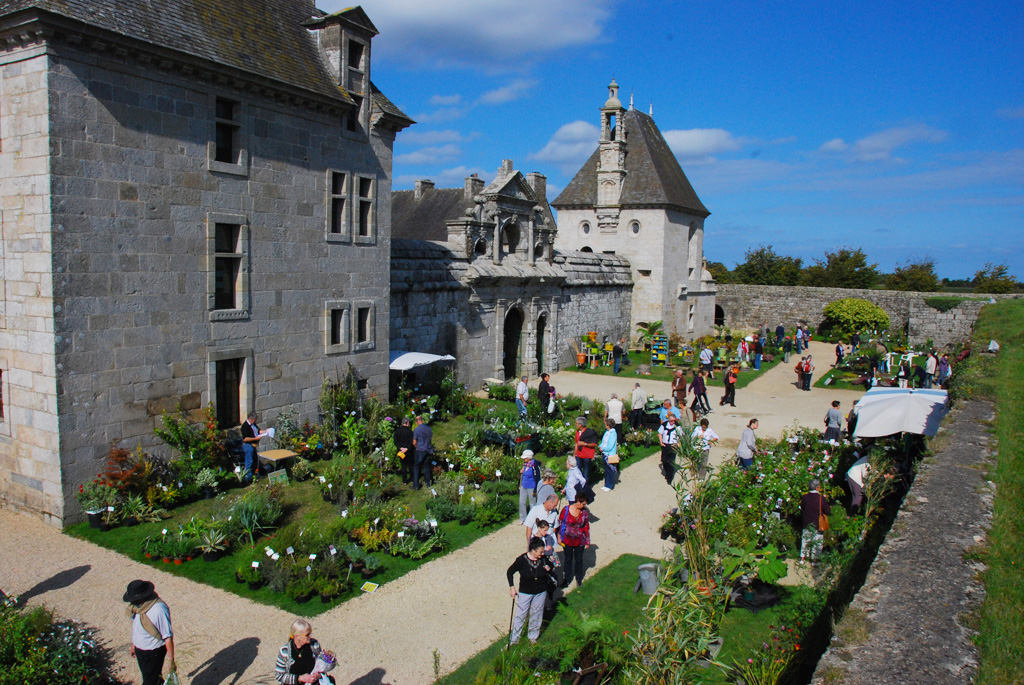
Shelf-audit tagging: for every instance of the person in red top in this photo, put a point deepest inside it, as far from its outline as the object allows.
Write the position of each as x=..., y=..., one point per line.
x=574, y=532
x=586, y=443
x=812, y=505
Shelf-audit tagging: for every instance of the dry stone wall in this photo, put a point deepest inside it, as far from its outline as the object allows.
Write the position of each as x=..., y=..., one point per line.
x=748, y=306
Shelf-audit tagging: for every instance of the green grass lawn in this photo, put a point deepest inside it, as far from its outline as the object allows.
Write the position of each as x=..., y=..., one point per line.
x=667, y=373
x=1001, y=638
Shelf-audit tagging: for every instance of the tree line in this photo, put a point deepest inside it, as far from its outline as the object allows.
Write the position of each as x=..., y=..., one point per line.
x=849, y=268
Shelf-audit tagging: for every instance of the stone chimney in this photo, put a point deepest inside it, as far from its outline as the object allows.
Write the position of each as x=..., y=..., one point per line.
x=474, y=186
x=422, y=187
x=506, y=167
x=539, y=183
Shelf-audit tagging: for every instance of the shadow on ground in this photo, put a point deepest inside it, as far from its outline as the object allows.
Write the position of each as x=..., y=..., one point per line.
x=227, y=665
x=57, y=581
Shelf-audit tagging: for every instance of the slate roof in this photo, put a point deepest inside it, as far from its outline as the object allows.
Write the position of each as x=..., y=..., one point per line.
x=653, y=174
x=261, y=37
x=424, y=219
x=387, y=107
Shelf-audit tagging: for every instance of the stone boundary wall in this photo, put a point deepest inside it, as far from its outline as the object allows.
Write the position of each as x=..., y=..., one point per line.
x=748, y=306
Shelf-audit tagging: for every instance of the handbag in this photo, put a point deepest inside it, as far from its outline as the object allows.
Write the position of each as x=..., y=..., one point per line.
x=551, y=405
x=612, y=458
x=822, y=519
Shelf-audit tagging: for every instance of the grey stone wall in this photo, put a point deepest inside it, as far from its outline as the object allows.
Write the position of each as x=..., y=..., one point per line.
x=134, y=197
x=443, y=304
x=942, y=328
x=747, y=306
x=30, y=478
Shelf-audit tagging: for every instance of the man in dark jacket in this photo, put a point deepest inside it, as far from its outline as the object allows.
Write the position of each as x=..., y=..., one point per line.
x=812, y=505
x=403, y=442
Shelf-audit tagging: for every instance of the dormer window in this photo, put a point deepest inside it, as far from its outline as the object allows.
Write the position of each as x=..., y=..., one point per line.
x=355, y=55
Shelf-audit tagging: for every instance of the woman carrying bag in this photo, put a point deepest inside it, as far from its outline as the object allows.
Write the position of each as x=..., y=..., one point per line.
x=574, y=531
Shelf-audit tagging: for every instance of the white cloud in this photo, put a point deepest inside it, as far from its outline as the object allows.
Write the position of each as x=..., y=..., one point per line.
x=445, y=100
x=834, y=146
x=1010, y=113
x=512, y=91
x=570, y=146
x=430, y=155
x=447, y=178
x=441, y=114
x=416, y=137
x=701, y=143
x=485, y=34
x=878, y=147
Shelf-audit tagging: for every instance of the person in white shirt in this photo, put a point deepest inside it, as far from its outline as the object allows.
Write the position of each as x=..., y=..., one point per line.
x=855, y=479
x=522, y=395
x=637, y=405
x=613, y=412
x=707, y=357
x=668, y=438
x=929, y=369
x=706, y=436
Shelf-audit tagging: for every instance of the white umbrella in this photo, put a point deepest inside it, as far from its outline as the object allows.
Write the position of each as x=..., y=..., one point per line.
x=878, y=394
x=903, y=411
x=404, y=361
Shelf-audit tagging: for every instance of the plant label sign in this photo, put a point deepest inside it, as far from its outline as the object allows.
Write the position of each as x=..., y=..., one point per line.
x=290, y=550
x=279, y=476
x=369, y=587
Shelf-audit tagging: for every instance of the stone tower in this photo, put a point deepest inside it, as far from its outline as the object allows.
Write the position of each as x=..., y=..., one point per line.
x=632, y=199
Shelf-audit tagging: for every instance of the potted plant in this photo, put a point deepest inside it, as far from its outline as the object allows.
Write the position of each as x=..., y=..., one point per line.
x=329, y=588
x=372, y=565
x=181, y=550
x=251, y=575
x=212, y=544
x=301, y=589
x=133, y=509
x=356, y=556
x=95, y=497
x=151, y=547
x=206, y=481
x=301, y=470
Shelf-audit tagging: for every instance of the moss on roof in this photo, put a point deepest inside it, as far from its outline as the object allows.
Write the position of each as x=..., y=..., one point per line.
x=265, y=38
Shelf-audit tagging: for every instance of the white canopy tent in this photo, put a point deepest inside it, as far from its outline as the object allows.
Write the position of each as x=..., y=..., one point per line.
x=886, y=411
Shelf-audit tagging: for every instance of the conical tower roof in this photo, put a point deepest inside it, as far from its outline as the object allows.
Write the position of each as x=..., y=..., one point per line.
x=653, y=175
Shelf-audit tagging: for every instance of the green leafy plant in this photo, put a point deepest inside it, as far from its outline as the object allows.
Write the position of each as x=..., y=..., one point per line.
x=97, y=495
x=850, y=315
x=213, y=540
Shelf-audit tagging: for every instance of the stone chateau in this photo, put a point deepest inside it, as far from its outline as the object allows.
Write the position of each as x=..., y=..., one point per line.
x=197, y=208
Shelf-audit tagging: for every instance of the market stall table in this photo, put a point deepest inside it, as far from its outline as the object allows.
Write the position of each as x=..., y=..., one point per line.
x=276, y=457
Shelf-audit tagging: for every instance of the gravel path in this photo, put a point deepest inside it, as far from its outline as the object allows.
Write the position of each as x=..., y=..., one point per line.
x=458, y=604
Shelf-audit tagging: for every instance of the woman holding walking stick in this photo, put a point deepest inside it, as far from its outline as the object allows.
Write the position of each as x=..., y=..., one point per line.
x=533, y=585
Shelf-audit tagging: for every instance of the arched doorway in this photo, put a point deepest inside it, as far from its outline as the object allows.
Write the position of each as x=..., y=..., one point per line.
x=541, y=324
x=513, y=343
x=719, y=315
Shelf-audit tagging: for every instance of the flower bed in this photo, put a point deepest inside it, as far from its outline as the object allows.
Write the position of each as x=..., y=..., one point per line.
x=344, y=517
x=36, y=647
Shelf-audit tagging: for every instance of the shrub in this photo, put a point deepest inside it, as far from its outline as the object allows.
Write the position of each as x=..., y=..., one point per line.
x=35, y=648
x=504, y=392
x=845, y=317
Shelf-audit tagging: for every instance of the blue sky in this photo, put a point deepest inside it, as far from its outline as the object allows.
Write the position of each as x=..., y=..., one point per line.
x=894, y=127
